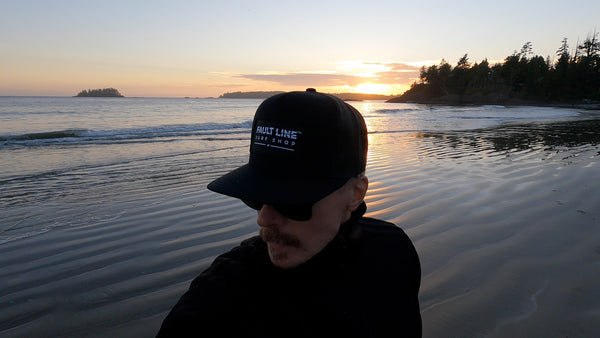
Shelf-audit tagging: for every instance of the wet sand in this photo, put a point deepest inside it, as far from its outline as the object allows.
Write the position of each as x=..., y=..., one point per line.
x=506, y=221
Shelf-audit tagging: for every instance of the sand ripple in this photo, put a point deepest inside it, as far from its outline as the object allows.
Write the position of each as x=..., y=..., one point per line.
x=101, y=275
x=506, y=222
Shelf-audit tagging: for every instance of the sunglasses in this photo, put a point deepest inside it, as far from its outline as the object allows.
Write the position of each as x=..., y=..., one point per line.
x=296, y=212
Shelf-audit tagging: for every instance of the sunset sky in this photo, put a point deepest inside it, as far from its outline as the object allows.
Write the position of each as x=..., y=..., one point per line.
x=205, y=48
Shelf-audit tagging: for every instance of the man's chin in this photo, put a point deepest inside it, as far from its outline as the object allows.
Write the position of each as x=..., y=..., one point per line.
x=280, y=255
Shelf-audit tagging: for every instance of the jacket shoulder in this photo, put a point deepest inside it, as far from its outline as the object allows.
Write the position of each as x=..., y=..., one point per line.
x=390, y=277
x=377, y=228
x=387, y=250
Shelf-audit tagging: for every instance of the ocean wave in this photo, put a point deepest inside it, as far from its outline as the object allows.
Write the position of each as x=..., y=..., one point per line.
x=396, y=110
x=44, y=135
x=211, y=130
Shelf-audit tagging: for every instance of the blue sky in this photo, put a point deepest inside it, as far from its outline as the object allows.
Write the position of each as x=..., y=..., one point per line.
x=206, y=48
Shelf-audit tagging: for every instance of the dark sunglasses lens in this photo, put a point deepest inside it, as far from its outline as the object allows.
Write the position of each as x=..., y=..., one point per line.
x=299, y=212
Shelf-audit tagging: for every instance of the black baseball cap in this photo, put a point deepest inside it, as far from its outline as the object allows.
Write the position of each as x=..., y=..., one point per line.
x=304, y=146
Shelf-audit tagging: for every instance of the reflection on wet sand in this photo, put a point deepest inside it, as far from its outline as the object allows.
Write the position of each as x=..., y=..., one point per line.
x=506, y=224
x=552, y=137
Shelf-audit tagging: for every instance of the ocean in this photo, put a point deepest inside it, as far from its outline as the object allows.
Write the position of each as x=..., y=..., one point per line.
x=105, y=217
x=83, y=152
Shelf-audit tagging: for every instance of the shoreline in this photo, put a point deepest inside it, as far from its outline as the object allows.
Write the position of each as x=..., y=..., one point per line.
x=494, y=100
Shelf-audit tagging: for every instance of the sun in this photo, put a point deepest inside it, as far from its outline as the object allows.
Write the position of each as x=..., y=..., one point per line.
x=373, y=88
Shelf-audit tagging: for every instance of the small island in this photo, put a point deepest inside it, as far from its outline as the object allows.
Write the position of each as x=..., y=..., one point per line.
x=106, y=92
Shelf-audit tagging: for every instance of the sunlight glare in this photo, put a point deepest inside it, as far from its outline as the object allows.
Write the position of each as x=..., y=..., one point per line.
x=372, y=88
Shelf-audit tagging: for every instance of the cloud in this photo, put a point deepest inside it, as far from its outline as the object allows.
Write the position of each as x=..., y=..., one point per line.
x=394, y=66
x=346, y=74
x=395, y=77
x=307, y=79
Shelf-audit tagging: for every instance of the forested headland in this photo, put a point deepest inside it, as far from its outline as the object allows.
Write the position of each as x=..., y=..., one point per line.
x=249, y=95
x=523, y=78
x=106, y=92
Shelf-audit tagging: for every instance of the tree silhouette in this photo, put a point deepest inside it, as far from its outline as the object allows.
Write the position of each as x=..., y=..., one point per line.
x=106, y=92
x=522, y=76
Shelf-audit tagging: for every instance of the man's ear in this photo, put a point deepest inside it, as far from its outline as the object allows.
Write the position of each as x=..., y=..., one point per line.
x=359, y=190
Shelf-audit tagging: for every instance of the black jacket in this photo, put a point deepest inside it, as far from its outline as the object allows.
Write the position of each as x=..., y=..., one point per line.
x=364, y=283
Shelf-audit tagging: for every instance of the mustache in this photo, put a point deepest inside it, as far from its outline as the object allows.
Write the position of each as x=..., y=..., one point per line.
x=274, y=235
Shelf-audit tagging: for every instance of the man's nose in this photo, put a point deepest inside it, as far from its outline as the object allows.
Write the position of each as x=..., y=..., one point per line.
x=268, y=216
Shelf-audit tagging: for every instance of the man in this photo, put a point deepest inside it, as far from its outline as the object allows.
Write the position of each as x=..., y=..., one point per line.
x=318, y=268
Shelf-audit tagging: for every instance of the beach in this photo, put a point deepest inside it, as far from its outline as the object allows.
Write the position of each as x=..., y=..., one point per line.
x=504, y=213
x=507, y=228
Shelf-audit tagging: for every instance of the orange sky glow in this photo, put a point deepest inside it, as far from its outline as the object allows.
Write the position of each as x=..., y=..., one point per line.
x=206, y=48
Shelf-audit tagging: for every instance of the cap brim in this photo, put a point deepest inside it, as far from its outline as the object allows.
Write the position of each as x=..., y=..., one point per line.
x=248, y=183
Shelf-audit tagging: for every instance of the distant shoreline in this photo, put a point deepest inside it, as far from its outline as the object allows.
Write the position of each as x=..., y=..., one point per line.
x=493, y=99
x=267, y=94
